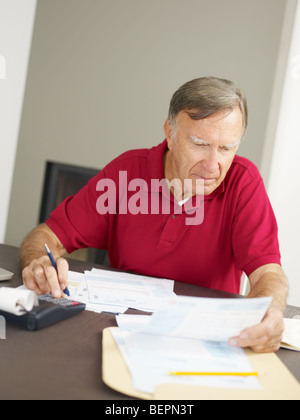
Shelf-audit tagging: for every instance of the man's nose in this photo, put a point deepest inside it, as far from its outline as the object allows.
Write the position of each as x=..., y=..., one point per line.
x=211, y=162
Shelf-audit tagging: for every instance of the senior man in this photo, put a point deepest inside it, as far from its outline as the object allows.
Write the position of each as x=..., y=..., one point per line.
x=235, y=230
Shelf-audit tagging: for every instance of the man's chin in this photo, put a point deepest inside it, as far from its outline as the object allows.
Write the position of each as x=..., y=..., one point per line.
x=209, y=189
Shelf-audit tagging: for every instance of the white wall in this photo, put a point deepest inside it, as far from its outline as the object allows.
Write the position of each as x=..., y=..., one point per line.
x=16, y=25
x=284, y=178
x=102, y=73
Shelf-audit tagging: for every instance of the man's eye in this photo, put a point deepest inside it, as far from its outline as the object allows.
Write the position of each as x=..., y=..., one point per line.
x=202, y=144
x=227, y=149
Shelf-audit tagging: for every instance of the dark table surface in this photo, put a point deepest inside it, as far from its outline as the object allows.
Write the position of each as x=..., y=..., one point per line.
x=64, y=361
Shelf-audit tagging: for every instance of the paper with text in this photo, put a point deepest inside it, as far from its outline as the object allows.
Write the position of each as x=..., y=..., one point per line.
x=128, y=290
x=206, y=318
x=79, y=292
x=189, y=335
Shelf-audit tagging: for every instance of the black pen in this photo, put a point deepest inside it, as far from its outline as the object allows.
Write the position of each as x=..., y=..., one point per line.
x=50, y=255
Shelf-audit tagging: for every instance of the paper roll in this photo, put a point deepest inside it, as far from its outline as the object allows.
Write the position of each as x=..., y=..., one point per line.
x=16, y=301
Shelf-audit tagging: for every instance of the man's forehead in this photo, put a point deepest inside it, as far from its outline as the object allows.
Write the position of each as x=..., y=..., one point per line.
x=225, y=122
x=225, y=115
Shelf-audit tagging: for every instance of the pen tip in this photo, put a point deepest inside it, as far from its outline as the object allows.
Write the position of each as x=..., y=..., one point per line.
x=47, y=249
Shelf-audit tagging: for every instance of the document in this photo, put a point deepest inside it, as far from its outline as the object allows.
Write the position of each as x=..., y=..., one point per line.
x=206, y=318
x=115, y=292
x=79, y=292
x=128, y=290
x=189, y=335
x=291, y=335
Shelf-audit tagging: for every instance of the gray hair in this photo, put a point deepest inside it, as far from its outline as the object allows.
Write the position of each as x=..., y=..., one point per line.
x=206, y=96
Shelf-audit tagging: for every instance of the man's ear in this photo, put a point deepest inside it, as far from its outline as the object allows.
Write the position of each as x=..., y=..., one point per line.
x=169, y=134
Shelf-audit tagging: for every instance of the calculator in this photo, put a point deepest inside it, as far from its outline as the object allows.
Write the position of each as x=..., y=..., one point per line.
x=49, y=312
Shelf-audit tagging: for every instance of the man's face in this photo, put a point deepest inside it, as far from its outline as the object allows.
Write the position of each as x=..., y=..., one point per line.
x=203, y=149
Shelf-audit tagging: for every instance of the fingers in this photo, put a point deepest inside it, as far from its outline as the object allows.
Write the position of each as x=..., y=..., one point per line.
x=62, y=270
x=265, y=337
x=41, y=277
x=259, y=344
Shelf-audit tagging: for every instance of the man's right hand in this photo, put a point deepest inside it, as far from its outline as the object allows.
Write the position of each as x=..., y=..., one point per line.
x=41, y=277
x=38, y=272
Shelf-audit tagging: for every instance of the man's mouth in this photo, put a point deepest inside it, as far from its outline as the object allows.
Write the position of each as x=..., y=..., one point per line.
x=205, y=179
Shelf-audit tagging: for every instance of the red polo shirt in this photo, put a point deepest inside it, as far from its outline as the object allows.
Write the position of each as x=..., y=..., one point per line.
x=238, y=233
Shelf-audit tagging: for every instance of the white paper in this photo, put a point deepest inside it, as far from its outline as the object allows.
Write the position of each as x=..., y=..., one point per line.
x=151, y=358
x=206, y=318
x=167, y=284
x=79, y=292
x=291, y=335
x=128, y=290
x=132, y=323
x=17, y=301
x=189, y=335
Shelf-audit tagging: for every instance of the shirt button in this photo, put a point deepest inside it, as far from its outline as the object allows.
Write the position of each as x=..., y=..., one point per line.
x=174, y=216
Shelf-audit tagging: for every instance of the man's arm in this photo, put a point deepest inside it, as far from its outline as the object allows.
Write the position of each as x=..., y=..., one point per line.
x=38, y=273
x=268, y=280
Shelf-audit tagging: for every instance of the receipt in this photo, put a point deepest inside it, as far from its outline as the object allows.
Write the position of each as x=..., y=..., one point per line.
x=16, y=301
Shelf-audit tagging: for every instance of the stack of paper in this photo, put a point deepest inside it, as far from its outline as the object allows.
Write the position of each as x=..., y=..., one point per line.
x=189, y=335
x=291, y=335
x=115, y=292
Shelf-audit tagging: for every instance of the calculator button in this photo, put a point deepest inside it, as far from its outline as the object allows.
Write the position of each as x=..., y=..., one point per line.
x=62, y=301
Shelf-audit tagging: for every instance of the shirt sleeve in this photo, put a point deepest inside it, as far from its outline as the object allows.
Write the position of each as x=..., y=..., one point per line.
x=255, y=230
x=76, y=221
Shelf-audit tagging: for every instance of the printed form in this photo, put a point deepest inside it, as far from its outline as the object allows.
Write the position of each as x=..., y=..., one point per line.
x=115, y=292
x=189, y=335
x=128, y=290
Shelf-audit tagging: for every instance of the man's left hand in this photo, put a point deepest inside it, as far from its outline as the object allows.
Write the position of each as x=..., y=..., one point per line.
x=265, y=337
